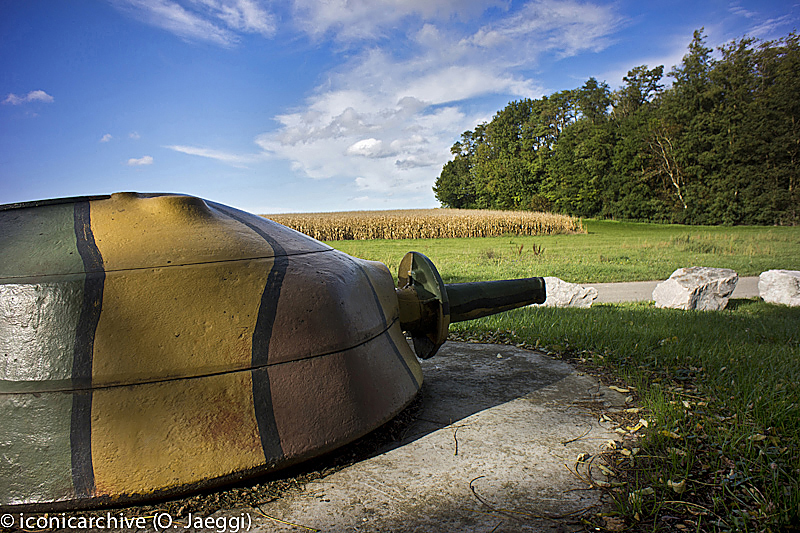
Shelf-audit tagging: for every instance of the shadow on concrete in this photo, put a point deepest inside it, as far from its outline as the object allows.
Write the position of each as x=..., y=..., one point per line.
x=464, y=379
x=502, y=470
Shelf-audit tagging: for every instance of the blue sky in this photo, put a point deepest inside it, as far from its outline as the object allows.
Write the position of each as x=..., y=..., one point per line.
x=305, y=105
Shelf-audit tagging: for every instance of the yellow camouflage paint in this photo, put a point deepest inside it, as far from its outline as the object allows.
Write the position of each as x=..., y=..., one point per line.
x=158, y=436
x=188, y=320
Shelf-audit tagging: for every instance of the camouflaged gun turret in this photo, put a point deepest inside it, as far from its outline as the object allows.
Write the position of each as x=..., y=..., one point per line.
x=154, y=344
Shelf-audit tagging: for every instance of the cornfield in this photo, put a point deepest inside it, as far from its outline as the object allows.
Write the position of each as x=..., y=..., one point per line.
x=426, y=224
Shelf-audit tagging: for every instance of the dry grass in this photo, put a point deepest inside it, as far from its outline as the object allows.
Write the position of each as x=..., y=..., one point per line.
x=426, y=224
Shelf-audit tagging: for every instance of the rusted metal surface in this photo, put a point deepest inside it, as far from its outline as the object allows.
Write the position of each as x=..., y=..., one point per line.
x=155, y=344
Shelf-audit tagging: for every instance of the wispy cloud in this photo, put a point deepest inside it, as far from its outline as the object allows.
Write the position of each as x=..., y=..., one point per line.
x=134, y=135
x=236, y=160
x=369, y=19
x=764, y=27
x=565, y=27
x=216, y=21
x=33, y=96
x=737, y=9
x=242, y=15
x=767, y=29
x=105, y=138
x=146, y=160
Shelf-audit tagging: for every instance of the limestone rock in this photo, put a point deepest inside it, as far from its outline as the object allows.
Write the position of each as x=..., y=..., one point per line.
x=561, y=293
x=701, y=288
x=780, y=287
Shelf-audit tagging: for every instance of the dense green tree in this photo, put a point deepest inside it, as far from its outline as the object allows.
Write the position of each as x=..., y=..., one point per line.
x=772, y=127
x=580, y=163
x=680, y=134
x=593, y=100
x=634, y=183
x=639, y=88
x=454, y=188
x=720, y=146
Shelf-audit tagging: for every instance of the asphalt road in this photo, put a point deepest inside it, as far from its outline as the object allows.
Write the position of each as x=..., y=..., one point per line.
x=638, y=291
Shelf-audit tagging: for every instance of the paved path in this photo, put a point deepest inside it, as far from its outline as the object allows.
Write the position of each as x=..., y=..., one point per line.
x=638, y=291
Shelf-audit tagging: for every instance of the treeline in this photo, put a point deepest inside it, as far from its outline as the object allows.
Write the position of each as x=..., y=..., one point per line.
x=720, y=146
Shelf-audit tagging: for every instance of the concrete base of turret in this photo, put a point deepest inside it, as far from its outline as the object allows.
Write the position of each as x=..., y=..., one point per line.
x=487, y=453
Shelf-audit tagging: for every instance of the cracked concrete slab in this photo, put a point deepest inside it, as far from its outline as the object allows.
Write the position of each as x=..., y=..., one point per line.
x=487, y=453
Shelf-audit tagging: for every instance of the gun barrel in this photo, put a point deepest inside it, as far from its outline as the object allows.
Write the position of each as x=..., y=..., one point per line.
x=427, y=306
x=483, y=298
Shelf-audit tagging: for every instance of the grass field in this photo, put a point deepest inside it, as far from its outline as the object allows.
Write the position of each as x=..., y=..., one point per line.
x=719, y=392
x=609, y=251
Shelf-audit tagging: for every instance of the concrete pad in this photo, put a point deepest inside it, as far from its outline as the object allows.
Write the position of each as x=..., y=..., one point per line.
x=498, y=420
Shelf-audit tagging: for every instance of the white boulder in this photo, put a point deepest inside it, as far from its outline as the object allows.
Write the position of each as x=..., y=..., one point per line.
x=561, y=293
x=780, y=287
x=701, y=288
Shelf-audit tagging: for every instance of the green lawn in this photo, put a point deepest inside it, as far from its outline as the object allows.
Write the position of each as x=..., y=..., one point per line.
x=720, y=391
x=610, y=251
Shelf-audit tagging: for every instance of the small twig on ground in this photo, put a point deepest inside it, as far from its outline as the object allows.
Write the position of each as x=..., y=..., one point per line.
x=455, y=438
x=565, y=442
x=580, y=477
x=265, y=515
x=493, y=509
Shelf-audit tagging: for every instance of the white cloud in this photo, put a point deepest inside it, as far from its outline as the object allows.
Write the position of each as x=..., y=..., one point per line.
x=216, y=21
x=105, y=138
x=384, y=119
x=243, y=15
x=146, y=160
x=457, y=83
x=351, y=20
x=368, y=148
x=33, y=96
x=387, y=117
x=737, y=9
x=133, y=135
x=770, y=28
x=563, y=26
x=764, y=28
x=236, y=160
